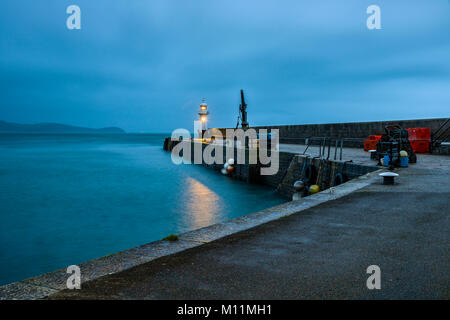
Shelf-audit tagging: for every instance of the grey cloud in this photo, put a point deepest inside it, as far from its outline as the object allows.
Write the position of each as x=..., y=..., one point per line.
x=146, y=65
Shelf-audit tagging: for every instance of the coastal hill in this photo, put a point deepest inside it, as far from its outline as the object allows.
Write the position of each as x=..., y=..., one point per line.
x=10, y=127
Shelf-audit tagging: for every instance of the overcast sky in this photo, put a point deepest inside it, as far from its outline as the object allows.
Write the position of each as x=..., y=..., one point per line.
x=145, y=65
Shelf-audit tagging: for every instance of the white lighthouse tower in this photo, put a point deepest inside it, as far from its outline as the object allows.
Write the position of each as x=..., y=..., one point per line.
x=203, y=114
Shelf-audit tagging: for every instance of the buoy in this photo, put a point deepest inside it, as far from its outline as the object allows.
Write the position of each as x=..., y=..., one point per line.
x=299, y=185
x=386, y=160
x=314, y=189
x=226, y=165
x=230, y=169
x=404, y=162
x=403, y=153
x=224, y=171
x=230, y=162
x=388, y=177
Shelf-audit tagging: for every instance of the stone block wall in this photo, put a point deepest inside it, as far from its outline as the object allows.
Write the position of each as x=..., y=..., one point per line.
x=353, y=133
x=325, y=172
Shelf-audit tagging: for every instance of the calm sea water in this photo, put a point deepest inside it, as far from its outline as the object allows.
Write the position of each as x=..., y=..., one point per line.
x=65, y=199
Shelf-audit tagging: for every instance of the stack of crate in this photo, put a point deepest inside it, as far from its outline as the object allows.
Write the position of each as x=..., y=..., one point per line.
x=371, y=144
x=420, y=139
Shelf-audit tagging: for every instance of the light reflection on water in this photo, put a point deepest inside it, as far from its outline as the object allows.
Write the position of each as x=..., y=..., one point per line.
x=202, y=205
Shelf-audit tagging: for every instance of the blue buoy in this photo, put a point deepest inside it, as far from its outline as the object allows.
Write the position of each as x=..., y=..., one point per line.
x=386, y=160
x=404, y=162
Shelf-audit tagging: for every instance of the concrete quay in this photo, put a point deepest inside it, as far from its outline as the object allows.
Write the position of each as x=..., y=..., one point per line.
x=320, y=249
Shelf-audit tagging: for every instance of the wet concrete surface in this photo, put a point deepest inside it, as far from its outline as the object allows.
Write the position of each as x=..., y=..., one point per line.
x=321, y=253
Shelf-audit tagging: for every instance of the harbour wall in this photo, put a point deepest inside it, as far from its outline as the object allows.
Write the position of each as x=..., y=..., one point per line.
x=292, y=167
x=353, y=133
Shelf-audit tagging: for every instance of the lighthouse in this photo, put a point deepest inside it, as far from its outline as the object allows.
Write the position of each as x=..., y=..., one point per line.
x=203, y=114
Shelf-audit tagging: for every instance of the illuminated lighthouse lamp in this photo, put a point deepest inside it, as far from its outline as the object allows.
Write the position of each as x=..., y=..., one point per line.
x=203, y=111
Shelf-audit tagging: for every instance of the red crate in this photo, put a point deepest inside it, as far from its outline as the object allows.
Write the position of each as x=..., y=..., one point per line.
x=419, y=133
x=424, y=134
x=370, y=145
x=374, y=137
x=420, y=146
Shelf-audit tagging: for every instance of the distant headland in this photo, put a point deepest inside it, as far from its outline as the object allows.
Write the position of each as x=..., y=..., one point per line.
x=56, y=128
